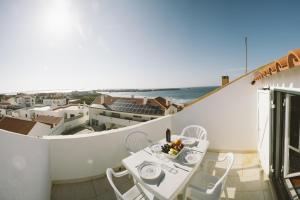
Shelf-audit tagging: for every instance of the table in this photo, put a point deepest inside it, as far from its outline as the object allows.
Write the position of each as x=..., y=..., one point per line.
x=172, y=184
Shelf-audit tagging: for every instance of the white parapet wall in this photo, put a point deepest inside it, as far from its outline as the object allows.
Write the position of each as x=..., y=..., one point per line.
x=229, y=116
x=24, y=167
x=81, y=156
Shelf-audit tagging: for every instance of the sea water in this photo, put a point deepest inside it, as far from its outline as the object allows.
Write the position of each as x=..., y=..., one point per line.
x=180, y=95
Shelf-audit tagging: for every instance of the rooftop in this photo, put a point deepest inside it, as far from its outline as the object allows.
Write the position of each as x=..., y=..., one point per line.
x=130, y=105
x=49, y=120
x=68, y=107
x=16, y=125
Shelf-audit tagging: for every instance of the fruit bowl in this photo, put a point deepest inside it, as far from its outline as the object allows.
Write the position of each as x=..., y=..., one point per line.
x=172, y=149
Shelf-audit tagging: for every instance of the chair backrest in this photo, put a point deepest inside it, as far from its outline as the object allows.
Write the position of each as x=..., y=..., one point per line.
x=110, y=173
x=229, y=158
x=195, y=131
x=136, y=141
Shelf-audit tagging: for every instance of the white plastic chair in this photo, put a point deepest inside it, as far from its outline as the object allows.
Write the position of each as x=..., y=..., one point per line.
x=195, y=131
x=136, y=141
x=136, y=192
x=205, y=186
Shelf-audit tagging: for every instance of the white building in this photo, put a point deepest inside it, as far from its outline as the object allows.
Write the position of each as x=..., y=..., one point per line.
x=74, y=115
x=24, y=127
x=25, y=101
x=55, y=101
x=30, y=112
x=56, y=123
x=112, y=112
x=9, y=99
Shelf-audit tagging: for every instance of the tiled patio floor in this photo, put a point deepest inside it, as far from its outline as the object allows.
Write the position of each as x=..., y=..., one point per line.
x=246, y=181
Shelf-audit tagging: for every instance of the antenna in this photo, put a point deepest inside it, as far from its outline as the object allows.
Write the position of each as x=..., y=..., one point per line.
x=246, y=45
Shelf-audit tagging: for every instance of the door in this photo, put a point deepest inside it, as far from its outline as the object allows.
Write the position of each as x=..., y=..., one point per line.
x=264, y=110
x=292, y=136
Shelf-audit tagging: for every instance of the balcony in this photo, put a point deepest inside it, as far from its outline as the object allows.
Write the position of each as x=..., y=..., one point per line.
x=230, y=119
x=246, y=181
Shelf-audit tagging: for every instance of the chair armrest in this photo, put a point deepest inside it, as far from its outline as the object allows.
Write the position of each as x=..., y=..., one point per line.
x=120, y=174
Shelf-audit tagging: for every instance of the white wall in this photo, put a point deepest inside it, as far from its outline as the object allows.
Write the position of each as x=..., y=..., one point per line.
x=76, y=122
x=2, y=112
x=24, y=167
x=81, y=156
x=58, y=129
x=284, y=79
x=40, y=129
x=229, y=116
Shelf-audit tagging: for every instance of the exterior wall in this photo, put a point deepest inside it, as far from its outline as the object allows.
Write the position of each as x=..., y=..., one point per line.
x=76, y=122
x=285, y=79
x=25, y=113
x=58, y=129
x=111, y=120
x=40, y=129
x=26, y=101
x=229, y=116
x=171, y=110
x=94, y=113
x=81, y=156
x=24, y=165
x=2, y=112
x=56, y=102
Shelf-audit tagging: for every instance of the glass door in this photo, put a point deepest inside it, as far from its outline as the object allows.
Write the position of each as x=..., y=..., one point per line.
x=292, y=136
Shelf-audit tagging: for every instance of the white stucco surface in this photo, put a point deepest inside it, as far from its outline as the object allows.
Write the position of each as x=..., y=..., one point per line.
x=229, y=116
x=24, y=167
x=80, y=156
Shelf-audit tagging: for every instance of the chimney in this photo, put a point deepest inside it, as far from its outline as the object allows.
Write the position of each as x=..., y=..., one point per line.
x=102, y=99
x=225, y=80
x=145, y=100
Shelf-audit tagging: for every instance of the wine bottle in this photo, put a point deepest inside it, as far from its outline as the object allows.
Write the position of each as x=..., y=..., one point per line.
x=168, y=135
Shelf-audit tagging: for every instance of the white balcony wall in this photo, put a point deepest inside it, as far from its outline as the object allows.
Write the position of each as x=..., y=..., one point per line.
x=82, y=156
x=24, y=167
x=229, y=116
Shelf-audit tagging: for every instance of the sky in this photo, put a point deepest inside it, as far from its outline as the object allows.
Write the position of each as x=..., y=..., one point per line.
x=97, y=44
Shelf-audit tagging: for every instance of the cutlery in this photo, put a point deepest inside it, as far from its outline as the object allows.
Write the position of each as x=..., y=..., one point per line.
x=148, y=152
x=175, y=165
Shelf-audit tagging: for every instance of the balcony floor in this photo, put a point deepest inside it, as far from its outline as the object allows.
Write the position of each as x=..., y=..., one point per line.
x=246, y=181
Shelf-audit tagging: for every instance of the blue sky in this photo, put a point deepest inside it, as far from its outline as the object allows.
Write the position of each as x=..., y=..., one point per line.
x=89, y=44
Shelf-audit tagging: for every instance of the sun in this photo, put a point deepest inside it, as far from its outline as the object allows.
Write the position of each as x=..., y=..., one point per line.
x=57, y=20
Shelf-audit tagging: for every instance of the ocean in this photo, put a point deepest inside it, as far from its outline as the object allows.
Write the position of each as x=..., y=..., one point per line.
x=180, y=95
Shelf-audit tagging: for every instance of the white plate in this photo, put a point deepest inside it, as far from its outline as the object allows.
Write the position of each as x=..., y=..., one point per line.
x=149, y=170
x=192, y=158
x=156, y=148
x=188, y=141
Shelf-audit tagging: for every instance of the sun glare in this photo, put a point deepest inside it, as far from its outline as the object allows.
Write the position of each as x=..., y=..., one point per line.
x=57, y=19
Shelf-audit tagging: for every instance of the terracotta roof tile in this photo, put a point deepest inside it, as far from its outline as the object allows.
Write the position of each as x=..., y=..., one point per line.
x=16, y=125
x=49, y=120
